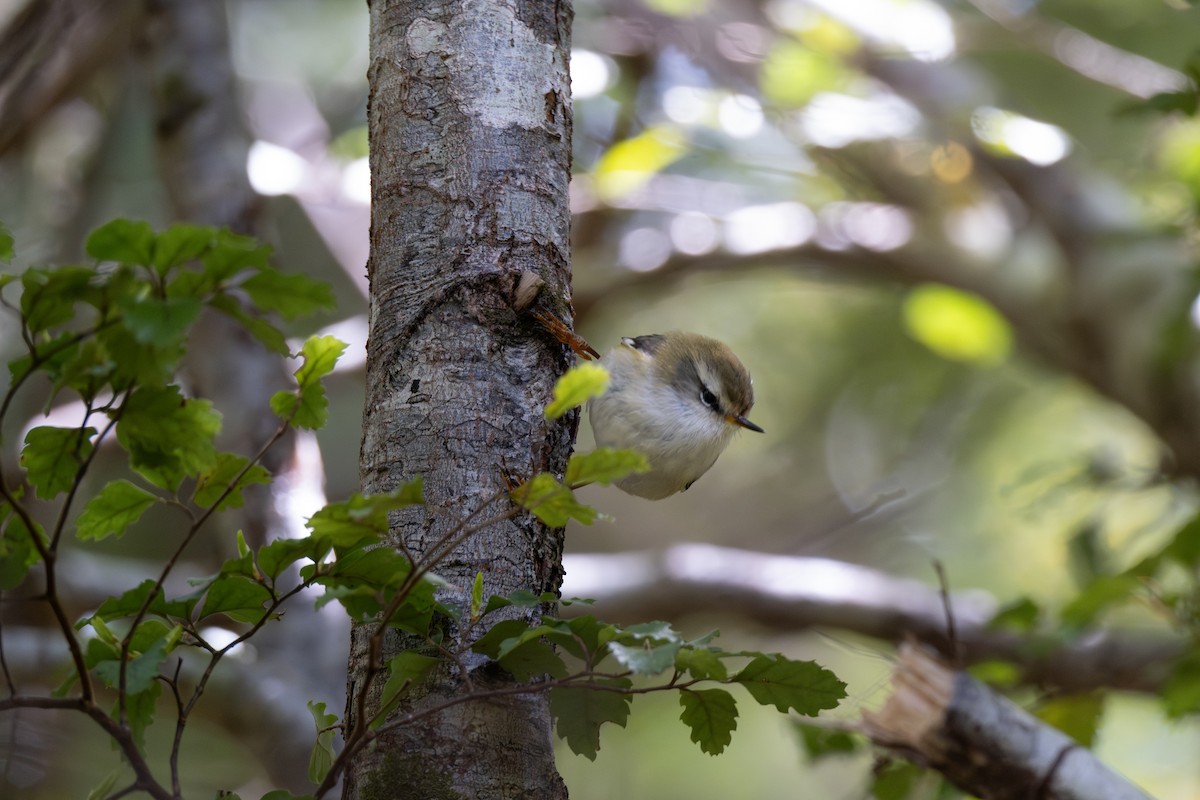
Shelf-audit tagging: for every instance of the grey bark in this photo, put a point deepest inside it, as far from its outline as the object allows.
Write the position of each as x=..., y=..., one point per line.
x=469, y=117
x=983, y=742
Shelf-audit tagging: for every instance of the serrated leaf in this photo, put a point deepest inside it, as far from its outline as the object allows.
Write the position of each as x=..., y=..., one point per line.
x=405, y=670
x=291, y=295
x=604, y=465
x=578, y=385
x=646, y=658
x=267, y=334
x=48, y=296
x=237, y=597
x=180, y=244
x=168, y=437
x=533, y=659
x=17, y=550
x=130, y=602
x=232, y=253
x=139, y=709
x=52, y=457
x=361, y=518
x=821, y=742
x=322, y=754
x=579, y=712
x=122, y=240
x=114, y=508
x=701, y=664
x=160, y=322
x=212, y=483
x=282, y=553
x=140, y=672
x=712, y=716
x=309, y=407
x=803, y=686
x=552, y=502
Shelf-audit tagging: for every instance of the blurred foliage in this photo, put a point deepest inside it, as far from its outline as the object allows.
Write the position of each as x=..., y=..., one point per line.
x=878, y=205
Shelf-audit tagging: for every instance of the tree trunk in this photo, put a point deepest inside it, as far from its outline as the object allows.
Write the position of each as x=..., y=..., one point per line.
x=469, y=115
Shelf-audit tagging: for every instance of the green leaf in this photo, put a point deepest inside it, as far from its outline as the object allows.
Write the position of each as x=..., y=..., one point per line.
x=135, y=362
x=712, y=716
x=158, y=322
x=48, y=296
x=122, y=240
x=6, y=245
x=1100, y=594
x=322, y=755
x=533, y=659
x=701, y=664
x=267, y=334
x=283, y=794
x=1181, y=693
x=114, y=508
x=237, y=597
x=580, y=383
x=1077, y=715
x=580, y=711
x=1021, y=615
x=821, y=742
x=604, y=466
x=140, y=672
x=646, y=658
x=309, y=408
x=180, y=244
x=405, y=670
x=104, y=788
x=895, y=781
x=477, y=596
x=17, y=550
x=521, y=598
x=139, y=708
x=232, y=253
x=957, y=325
x=552, y=502
x=167, y=436
x=52, y=457
x=282, y=553
x=362, y=518
x=212, y=483
x=130, y=602
x=803, y=686
x=291, y=295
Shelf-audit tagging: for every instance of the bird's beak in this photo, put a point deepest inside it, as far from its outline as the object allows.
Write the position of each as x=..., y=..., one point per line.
x=742, y=422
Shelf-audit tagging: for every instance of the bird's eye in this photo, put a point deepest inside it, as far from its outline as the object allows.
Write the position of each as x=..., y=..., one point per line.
x=709, y=399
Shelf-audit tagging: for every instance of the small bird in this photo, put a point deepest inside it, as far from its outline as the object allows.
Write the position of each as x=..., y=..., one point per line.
x=677, y=398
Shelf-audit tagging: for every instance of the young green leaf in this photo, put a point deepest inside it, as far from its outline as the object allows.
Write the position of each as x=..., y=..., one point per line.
x=533, y=659
x=214, y=482
x=122, y=240
x=267, y=334
x=130, y=602
x=1181, y=693
x=308, y=407
x=580, y=711
x=321, y=759
x=139, y=708
x=552, y=502
x=578, y=385
x=232, y=253
x=114, y=508
x=291, y=295
x=804, y=686
x=17, y=550
x=52, y=457
x=712, y=716
x=604, y=465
